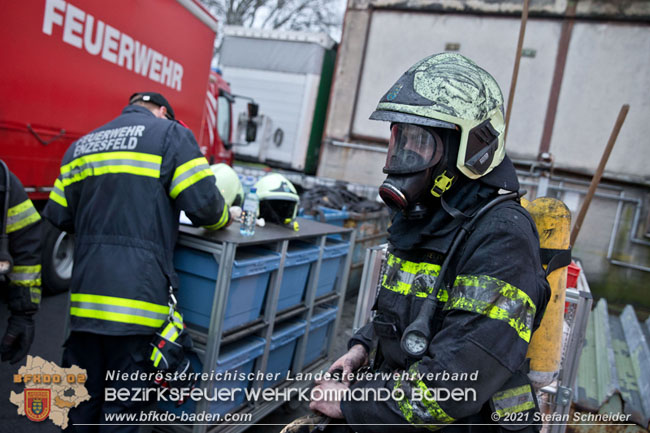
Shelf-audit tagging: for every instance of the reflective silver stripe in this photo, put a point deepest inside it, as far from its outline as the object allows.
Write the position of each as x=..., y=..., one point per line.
x=118, y=309
x=21, y=216
x=169, y=331
x=97, y=164
x=31, y=276
x=513, y=400
x=495, y=299
x=190, y=172
x=58, y=189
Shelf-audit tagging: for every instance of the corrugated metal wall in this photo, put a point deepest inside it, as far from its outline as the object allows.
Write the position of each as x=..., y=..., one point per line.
x=615, y=364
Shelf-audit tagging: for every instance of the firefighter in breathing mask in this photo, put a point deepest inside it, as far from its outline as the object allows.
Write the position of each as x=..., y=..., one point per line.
x=463, y=288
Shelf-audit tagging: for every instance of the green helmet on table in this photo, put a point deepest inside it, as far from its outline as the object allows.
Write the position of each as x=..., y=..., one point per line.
x=279, y=199
x=229, y=184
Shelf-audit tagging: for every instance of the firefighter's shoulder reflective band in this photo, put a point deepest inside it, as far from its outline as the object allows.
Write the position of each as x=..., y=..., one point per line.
x=97, y=164
x=513, y=400
x=222, y=221
x=425, y=412
x=495, y=299
x=58, y=193
x=406, y=278
x=188, y=174
x=118, y=309
x=21, y=215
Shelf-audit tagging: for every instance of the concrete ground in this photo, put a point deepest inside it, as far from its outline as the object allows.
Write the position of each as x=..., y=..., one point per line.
x=50, y=322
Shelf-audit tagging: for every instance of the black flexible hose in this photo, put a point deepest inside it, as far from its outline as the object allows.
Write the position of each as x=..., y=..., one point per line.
x=422, y=325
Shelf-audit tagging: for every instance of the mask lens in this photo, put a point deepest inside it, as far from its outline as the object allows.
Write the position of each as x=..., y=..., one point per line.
x=412, y=148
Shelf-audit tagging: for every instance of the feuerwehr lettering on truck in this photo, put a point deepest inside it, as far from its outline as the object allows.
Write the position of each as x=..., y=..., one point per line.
x=82, y=30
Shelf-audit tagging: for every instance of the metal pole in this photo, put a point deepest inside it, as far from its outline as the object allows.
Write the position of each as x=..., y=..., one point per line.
x=558, y=75
x=515, y=71
x=599, y=172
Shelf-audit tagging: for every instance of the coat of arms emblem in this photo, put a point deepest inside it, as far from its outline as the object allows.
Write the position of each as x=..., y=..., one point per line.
x=37, y=404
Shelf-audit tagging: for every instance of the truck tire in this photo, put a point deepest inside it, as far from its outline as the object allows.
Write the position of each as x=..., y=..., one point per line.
x=57, y=260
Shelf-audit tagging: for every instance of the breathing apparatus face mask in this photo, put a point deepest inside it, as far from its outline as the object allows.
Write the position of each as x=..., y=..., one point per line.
x=413, y=154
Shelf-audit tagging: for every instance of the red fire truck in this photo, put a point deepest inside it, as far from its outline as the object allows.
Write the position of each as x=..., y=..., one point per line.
x=70, y=66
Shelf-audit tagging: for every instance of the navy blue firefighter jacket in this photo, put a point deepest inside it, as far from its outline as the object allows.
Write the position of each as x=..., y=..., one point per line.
x=120, y=190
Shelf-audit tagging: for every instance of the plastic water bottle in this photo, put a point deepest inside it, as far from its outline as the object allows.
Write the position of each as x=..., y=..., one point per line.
x=247, y=183
x=249, y=213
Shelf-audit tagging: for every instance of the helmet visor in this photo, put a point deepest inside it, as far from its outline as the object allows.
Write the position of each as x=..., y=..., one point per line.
x=278, y=211
x=412, y=148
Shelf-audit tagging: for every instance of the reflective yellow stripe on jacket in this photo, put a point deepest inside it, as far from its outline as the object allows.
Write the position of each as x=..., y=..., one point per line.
x=188, y=174
x=135, y=163
x=514, y=400
x=495, y=299
x=57, y=194
x=171, y=333
x=422, y=412
x=21, y=215
x=28, y=277
x=411, y=278
x=118, y=309
x=222, y=221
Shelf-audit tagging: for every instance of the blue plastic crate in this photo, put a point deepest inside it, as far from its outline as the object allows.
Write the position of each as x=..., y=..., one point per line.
x=330, y=216
x=332, y=259
x=320, y=332
x=296, y=272
x=198, y=271
x=237, y=358
x=282, y=349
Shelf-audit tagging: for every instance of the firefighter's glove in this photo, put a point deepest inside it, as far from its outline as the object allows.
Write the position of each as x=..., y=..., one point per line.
x=235, y=213
x=18, y=338
x=350, y=362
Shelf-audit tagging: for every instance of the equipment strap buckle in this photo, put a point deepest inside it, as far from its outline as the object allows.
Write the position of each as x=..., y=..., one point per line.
x=171, y=302
x=441, y=184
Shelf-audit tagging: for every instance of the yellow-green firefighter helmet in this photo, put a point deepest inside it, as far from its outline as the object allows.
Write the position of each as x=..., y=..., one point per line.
x=229, y=184
x=278, y=198
x=451, y=91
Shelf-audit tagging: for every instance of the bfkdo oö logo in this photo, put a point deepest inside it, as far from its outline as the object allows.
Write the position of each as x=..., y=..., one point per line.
x=50, y=391
x=37, y=404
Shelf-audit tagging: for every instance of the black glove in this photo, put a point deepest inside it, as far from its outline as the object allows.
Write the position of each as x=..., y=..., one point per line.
x=18, y=338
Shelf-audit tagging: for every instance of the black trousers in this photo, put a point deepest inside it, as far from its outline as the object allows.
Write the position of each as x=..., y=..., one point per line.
x=98, y=354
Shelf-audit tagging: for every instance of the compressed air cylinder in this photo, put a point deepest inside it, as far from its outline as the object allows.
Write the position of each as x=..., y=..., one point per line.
x=553, y=220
